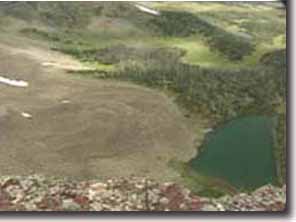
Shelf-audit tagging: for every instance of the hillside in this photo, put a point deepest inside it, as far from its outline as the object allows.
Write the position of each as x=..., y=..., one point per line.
x=93, y=90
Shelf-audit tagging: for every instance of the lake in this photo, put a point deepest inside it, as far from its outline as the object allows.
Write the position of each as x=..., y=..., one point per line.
x=240, y=152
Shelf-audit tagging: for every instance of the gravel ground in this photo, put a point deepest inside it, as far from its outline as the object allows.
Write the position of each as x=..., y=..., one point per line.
x=39, y=193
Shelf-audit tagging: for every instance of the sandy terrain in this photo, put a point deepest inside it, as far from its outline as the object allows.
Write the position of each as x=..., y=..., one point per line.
x=65, y=125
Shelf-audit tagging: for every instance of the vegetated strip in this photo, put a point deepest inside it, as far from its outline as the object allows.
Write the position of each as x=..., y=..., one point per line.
x=182, y=24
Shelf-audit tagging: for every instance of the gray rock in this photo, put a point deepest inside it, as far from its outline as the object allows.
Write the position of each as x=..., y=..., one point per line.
x=70, y=205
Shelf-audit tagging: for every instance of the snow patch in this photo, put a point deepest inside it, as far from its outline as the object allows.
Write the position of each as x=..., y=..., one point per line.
x=48, y=64
x=65, y=101
x=12, y=82
x=26, y=115
x=147, y=10
x=66, y=66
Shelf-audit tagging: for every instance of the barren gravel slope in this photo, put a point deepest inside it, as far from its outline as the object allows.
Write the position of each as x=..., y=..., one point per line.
x=81, y=127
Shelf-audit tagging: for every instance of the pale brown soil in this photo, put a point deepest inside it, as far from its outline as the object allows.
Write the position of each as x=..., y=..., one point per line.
x=84, y=128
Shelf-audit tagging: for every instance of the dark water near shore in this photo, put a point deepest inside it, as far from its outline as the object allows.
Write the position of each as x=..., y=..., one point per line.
x=240, y=152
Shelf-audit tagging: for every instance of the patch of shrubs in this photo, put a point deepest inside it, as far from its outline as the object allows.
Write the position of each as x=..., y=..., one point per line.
x=56, y=14
x=64, y=15
x=276, y=59
x=262, y=30
x=55, y=37
x=182, y=24
x=276, y=62
x=118, y=53
x=41, y=34
x=280, y=141
x=220, y=94
x=82, y=54
x=20, y=10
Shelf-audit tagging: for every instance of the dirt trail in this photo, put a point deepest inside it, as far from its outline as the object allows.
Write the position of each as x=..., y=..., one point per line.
x=78, y=127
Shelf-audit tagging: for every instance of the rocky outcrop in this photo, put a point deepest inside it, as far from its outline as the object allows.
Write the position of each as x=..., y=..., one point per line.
x=39, y=193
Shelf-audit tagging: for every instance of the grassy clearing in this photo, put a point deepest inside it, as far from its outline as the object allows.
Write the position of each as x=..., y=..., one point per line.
x=198, y=53
x=264, y=48
x=261, y=26
x=184, y=24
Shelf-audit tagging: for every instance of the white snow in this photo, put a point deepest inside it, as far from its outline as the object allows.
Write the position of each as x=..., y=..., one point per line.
x=66, y=66
x=65, y=101
x=26, y=115
x=12, y=82
x=148, y=10
x=48, y=64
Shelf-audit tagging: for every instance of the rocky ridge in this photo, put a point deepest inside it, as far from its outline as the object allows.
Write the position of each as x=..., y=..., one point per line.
x=39, y=193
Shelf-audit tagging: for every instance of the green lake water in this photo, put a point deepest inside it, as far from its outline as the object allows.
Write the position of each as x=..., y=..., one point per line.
x=240, y=152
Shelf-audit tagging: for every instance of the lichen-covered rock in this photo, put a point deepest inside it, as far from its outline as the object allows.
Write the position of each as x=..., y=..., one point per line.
x=37, y=193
